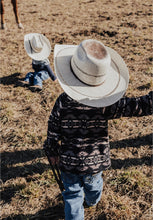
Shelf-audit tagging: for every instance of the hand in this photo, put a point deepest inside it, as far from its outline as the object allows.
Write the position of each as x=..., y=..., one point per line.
x=54, y=160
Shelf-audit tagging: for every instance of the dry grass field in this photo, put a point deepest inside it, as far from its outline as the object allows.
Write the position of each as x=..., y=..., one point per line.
x=28, y=188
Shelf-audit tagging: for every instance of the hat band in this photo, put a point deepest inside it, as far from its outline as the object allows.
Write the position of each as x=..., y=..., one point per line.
x=30, y=47
x=82, y=81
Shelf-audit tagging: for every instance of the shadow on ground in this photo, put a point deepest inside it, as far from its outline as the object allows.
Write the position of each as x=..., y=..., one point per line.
x=52, y=213
x=10, y=158
x=28, y=170
x=11, y=79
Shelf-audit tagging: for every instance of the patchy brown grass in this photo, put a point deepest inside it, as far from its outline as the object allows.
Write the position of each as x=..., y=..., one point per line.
x=28, y=188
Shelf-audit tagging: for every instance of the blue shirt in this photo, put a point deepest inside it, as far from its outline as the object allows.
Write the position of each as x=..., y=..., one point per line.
x=43, y=65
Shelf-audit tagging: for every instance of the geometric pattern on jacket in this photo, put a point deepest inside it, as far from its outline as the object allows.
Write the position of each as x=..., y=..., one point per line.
x=78, y=134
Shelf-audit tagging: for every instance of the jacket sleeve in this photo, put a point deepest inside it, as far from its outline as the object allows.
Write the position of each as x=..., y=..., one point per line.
x=130, y=107
x=50, y=72
x=51, y=145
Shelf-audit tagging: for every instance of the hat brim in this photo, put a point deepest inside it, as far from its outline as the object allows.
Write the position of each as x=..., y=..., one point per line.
x=109, y=92
x=45, y=52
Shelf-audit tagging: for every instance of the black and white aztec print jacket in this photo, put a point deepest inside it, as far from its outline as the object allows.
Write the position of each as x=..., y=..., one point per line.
x=78, y=134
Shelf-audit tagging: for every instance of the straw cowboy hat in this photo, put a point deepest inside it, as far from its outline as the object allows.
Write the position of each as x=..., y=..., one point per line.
x=91, y=73
x=37, y=46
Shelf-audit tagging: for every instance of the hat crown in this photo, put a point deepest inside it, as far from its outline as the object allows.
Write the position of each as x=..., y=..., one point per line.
x=95, y=49
x=37, y=43
x=91, y=62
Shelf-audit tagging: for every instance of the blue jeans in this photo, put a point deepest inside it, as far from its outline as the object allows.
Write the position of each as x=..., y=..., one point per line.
x=78, y=188
x=36, y=78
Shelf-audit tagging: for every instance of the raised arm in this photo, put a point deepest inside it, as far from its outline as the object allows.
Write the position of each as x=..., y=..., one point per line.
x=130, y=107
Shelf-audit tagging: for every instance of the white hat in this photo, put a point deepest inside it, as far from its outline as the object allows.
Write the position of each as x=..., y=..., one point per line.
x=91, y=73
x=37, y=46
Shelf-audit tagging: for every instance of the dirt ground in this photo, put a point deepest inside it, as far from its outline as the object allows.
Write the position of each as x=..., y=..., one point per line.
x=28, y=189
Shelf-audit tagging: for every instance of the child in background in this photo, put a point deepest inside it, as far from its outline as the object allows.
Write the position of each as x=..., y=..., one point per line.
x=38, y=48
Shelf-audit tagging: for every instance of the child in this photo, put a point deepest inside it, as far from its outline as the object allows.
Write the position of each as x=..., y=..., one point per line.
x=38, y=48
x=94, y=78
